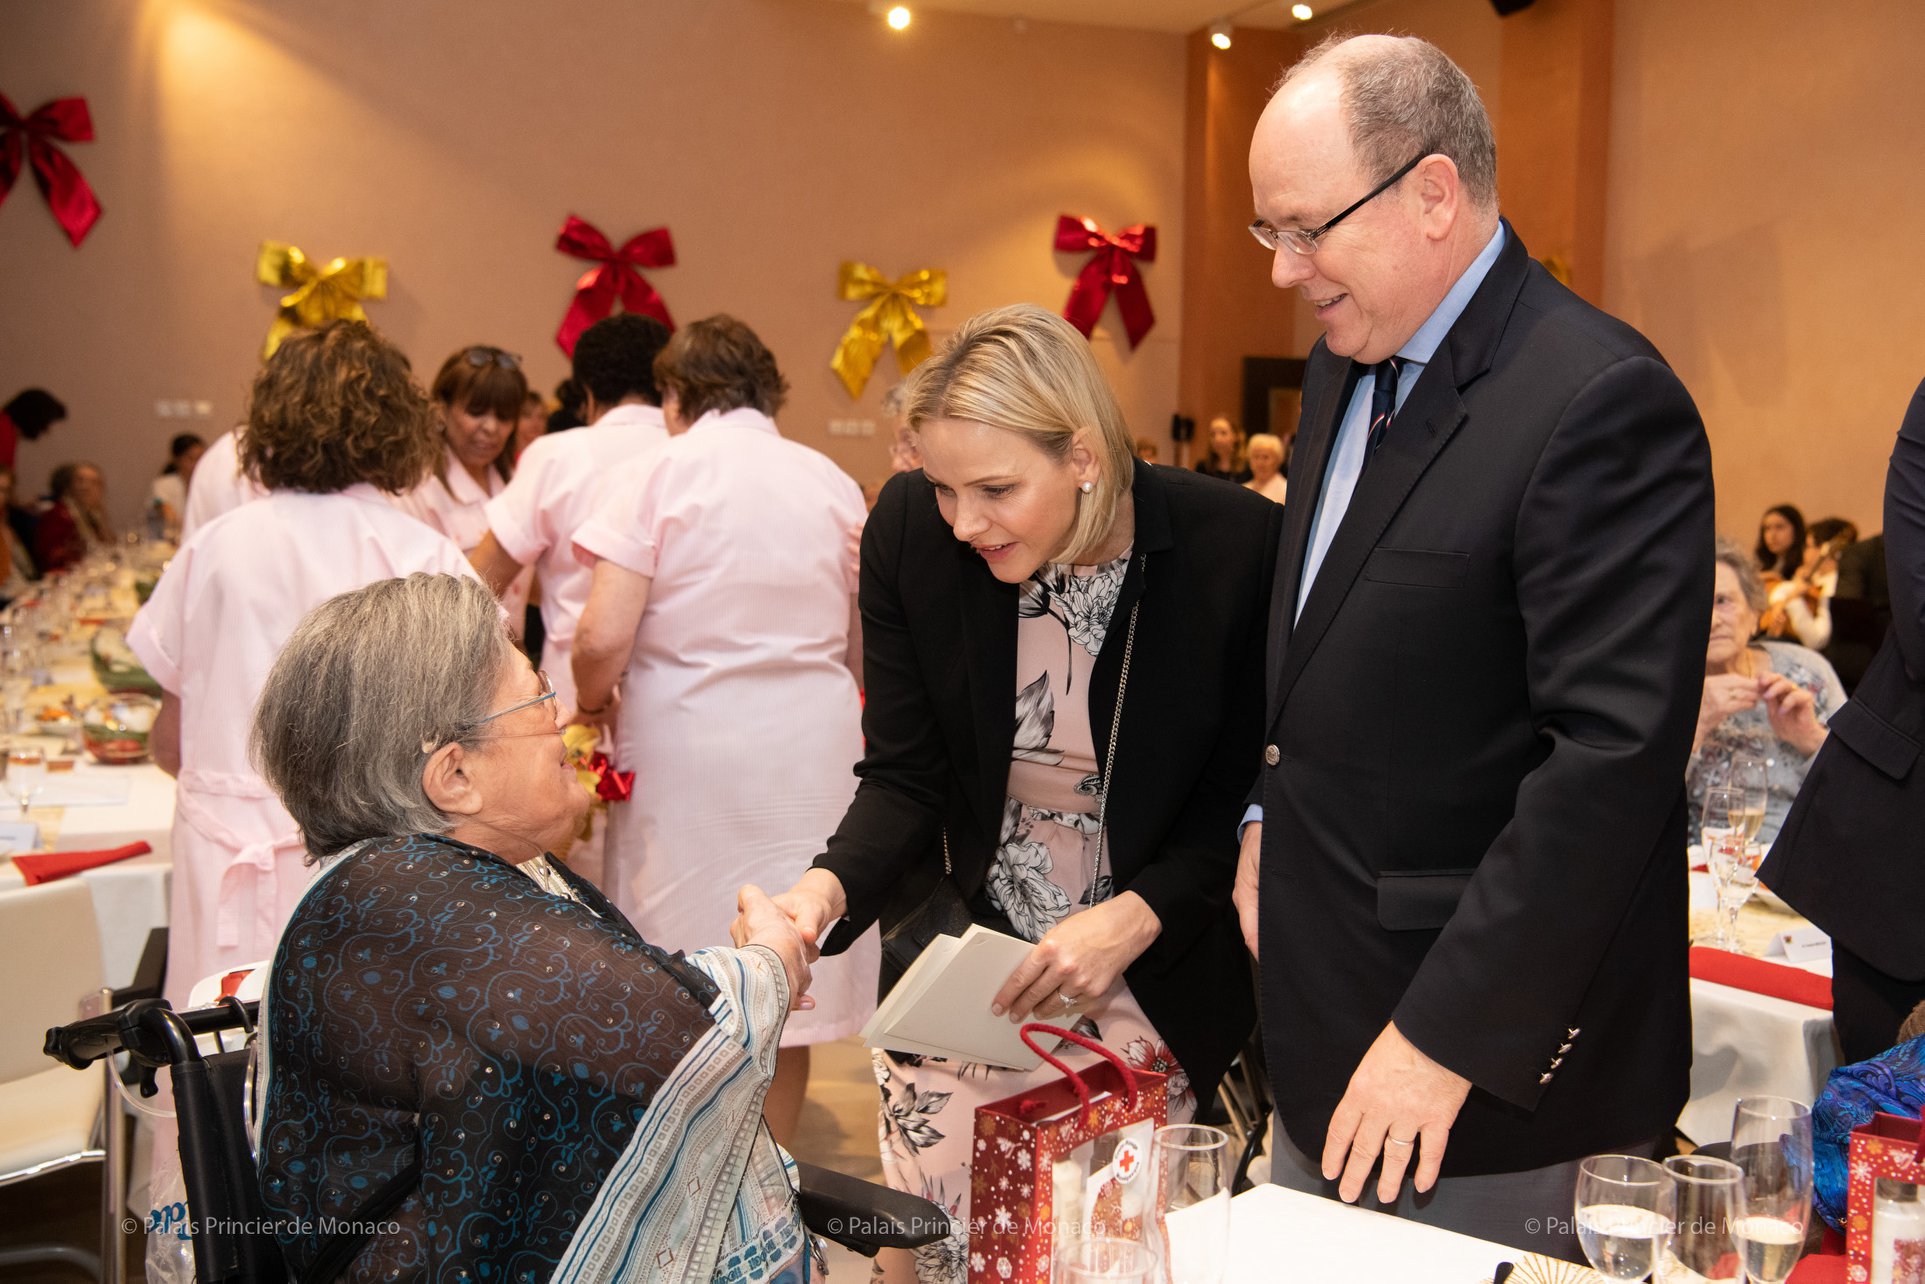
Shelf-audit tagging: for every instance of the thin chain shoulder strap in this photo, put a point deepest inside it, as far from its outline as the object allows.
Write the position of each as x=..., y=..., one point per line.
x=1109, y=756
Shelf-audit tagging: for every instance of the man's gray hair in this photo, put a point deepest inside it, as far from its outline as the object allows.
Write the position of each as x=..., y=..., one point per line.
x=1745, y=567
x=1405, y=97
x=369, y=685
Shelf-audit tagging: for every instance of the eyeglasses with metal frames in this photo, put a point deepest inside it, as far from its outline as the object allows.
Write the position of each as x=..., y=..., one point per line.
x=1304, y=241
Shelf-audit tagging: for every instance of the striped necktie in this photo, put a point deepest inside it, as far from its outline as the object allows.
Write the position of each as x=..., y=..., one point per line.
x=1383, y=405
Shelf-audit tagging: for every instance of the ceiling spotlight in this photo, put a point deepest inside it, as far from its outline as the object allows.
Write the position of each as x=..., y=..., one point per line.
x=1302, y=12
x=899, y=17
x=1220, y=33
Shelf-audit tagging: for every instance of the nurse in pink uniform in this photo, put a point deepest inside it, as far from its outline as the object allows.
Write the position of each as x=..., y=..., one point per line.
x=723, y=601
x=334, y=420
x=478, y=394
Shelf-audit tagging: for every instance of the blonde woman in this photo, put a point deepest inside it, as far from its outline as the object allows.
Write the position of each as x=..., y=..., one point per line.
x=1266, y=467
x=1002, y=585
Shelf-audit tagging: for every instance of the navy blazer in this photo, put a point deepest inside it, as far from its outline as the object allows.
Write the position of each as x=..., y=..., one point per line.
x=939, y=665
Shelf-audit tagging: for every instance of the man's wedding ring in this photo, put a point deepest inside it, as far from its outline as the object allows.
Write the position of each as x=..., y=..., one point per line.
x=1399, y=1141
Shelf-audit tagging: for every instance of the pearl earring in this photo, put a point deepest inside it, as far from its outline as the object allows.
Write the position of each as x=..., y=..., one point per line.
x=1088, y=487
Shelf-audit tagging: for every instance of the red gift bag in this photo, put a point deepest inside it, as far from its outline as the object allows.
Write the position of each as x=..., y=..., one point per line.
x=1060, y=1162
x=1885, y=1215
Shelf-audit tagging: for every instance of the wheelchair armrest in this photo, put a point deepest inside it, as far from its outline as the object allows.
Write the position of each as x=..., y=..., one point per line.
x=151, y=973
x=863, y=1216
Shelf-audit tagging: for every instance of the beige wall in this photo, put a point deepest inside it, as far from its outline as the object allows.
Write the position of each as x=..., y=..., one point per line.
x=1763, y=230
x=773, y=137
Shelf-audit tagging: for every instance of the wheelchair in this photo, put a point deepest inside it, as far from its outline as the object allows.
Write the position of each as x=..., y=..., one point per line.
x=217, y=1163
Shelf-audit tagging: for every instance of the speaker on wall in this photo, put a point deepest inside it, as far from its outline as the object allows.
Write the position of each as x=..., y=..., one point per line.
x=1506, y=7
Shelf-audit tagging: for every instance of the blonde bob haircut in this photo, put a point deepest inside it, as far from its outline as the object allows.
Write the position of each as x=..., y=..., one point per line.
x=1028, y=371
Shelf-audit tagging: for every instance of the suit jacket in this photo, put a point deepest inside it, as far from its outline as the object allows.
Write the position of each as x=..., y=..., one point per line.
x=939, y=662
x=1861, y=610
x=1848, y=855
x=1474, y=823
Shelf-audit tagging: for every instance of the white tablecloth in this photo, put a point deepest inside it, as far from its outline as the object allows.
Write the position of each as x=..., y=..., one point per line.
x=130, y=896
x=1278, y=1234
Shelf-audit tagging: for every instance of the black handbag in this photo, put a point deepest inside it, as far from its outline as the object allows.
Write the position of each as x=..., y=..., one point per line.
x=945, y=912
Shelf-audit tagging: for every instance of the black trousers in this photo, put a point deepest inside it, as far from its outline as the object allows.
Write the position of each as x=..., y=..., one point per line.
x=1868, y=1005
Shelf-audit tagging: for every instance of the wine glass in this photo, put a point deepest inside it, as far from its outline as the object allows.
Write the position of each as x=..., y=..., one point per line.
x=26, y=773
x=1624, y=1211
x=1192, y=1167
x=1102, y=1260
x=1748, y=778
x=1771, y=1145
x=1722, y=820
x=1702, y=1246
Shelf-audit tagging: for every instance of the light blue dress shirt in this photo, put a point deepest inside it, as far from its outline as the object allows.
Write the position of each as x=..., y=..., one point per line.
x=1347, y=452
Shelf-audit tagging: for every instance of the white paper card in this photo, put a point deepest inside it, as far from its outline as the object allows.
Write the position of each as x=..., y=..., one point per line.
x=942, y=1002
x=18, y=836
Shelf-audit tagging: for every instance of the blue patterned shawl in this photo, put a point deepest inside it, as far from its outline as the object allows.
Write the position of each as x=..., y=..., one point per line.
x=1893, y=1082
x=582, y=1105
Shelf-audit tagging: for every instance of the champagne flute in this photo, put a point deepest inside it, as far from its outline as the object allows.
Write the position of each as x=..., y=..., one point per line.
x=1624, y=1211
x=1771, y=1145
x=1703, y=1246
x=1748, y=778
x=1102, y=1260
x=1192, y=1167
x=1723, y=816
x=26, y=773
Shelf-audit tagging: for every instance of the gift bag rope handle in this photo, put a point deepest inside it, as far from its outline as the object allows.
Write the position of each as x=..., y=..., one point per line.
x=1075, y=1079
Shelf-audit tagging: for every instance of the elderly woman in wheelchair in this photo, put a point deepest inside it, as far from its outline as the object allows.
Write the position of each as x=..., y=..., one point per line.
x=473, y=1066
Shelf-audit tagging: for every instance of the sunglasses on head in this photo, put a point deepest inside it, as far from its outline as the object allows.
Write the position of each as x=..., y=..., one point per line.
x=482, y=355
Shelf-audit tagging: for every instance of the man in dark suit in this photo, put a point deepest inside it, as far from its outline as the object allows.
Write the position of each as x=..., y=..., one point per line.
x=1466, y=887
x=1848, y=855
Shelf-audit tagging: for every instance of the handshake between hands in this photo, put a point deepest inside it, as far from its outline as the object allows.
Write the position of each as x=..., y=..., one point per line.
x=791, y=924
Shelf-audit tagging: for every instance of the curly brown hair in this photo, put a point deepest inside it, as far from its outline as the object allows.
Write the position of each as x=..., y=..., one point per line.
x=719, y=364
x=336, y=406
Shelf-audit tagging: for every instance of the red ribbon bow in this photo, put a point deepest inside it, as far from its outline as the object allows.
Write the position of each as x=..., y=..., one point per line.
x=72, y=201
x=1111, y=268
x=610, y=785
x=596, y=292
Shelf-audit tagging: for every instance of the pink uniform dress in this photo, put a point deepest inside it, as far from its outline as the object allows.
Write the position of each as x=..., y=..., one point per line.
x=455, y=505
x=219, y=485
x=210, y=633
x=1043, y=872
x=557, y=483
x=739, y=716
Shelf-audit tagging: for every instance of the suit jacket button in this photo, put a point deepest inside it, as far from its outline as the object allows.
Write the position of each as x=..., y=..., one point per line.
x=1271, y=756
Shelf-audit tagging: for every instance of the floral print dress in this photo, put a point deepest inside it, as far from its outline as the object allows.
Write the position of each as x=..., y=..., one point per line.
x=1044, y=871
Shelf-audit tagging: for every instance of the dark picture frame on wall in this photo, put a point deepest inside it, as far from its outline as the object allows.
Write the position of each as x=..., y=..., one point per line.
x=1273, y=399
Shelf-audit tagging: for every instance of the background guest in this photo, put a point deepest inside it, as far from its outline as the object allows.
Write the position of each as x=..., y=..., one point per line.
x=1146, y=450
x=75, y=523
x=219, y=483
x=334, y=420
x=170, y=488
x=568, y=411
x=1265, y=455
x=1767, y=699
x=1848, y=855
x=723, y=599
x=16, y=564
x=903, y=455
x=422, y=758
x=478, y=395
x=1001, y=590
x=1223, y=455
x=533, y=424
x=31, y=412
x=1799, y=608
x=1781, y=541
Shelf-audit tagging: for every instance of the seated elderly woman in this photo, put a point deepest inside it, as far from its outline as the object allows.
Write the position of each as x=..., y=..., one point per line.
x=1767, y=699
x=470, y=1056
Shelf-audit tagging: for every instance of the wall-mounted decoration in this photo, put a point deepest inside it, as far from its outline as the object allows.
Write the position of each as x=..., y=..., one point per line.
x=889, y=318
x=614, y=276
x=31, y=138
x=320, y=294
x=1111, y=270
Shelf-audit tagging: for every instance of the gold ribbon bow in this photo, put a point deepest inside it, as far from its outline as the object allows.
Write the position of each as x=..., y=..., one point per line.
x=320, y=295
x=889, y=318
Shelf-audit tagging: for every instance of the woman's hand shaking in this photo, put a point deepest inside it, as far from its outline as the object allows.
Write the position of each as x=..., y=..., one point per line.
x=760, y=921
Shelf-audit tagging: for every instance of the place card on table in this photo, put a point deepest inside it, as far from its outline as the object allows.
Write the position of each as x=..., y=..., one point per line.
x=18, y=836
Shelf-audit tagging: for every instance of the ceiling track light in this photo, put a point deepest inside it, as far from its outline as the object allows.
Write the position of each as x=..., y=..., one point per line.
x=1302, y=12
x=896, y=15
x=1220, y=33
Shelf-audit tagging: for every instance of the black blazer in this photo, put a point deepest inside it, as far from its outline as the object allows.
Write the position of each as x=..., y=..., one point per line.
x=1475, y=823
x=1848, y=856
x=939, y=662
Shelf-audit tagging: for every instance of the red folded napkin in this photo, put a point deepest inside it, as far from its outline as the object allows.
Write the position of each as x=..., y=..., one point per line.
x=44, y=867
x=1780, y=981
